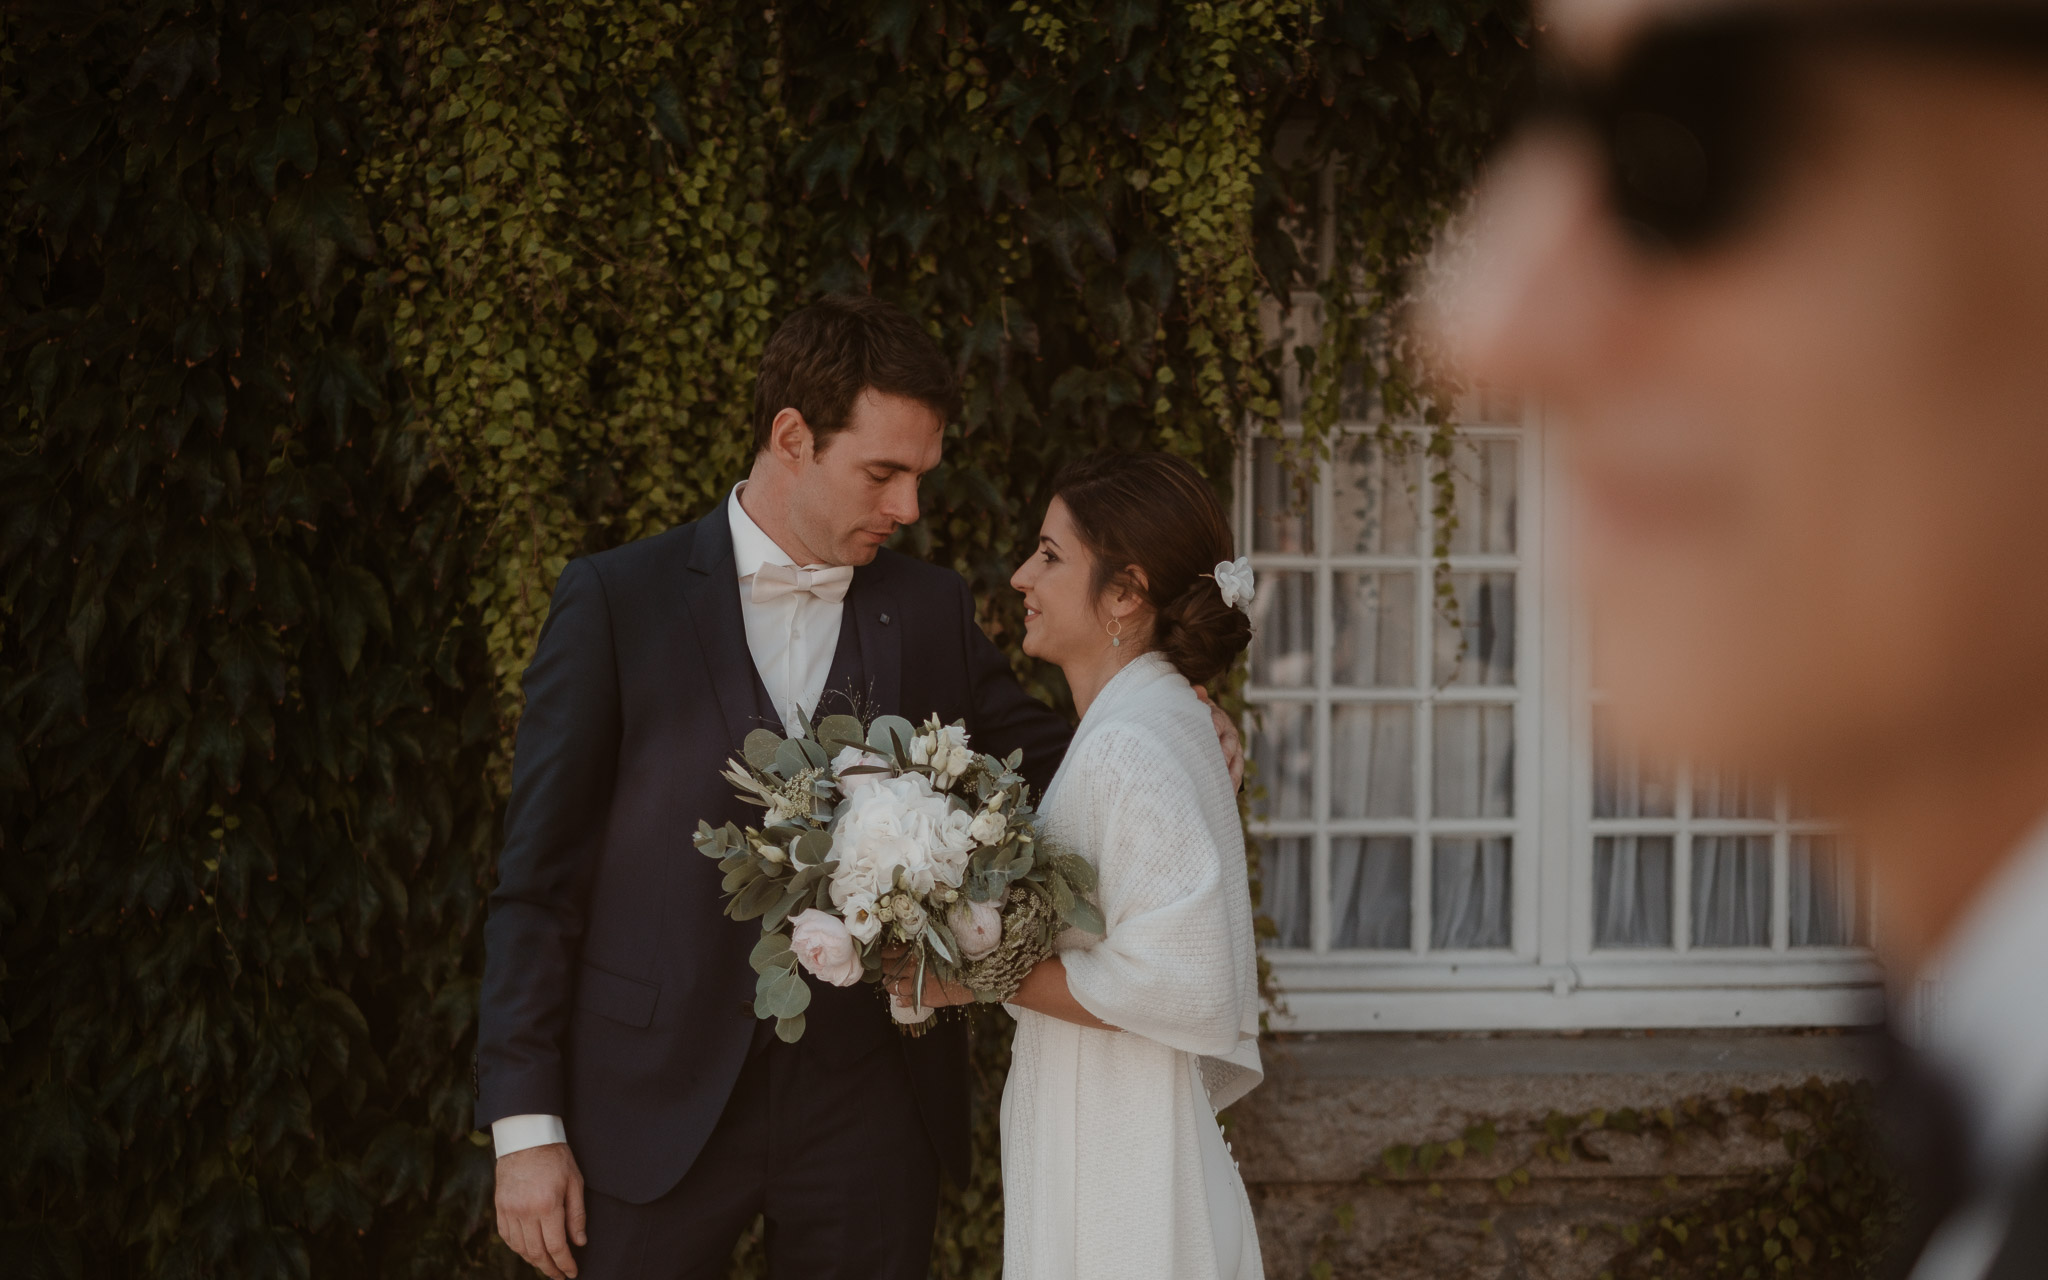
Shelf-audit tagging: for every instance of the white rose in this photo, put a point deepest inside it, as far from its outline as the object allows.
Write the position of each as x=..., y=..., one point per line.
x=977, y=925
x=855, y=758
x=771, y=852
x=862, y=924
x=825, y=948
x=951, y=756
x=988, y=827
x=908, y=914
x=921, y=749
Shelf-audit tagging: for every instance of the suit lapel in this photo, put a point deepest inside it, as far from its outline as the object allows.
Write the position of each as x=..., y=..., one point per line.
x=873, y=608
x=711, y=589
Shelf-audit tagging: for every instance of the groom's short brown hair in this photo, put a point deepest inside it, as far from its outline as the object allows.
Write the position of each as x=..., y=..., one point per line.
x=820, y=359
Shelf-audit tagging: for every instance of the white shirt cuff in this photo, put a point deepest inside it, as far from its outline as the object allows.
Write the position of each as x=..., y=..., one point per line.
x=517, y=1133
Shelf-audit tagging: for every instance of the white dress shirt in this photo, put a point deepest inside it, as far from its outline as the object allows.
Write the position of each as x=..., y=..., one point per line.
x=1988, y=1031
x=792, y=640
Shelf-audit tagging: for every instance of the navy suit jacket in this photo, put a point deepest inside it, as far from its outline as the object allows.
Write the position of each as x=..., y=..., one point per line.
x=616, y=993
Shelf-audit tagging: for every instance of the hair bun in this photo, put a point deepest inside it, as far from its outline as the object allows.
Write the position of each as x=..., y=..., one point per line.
x=1200, y=634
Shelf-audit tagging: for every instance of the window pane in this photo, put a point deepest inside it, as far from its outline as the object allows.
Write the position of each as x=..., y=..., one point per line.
x=1280, y=503
x=1369, y=892
x=1284, y=630
x=1480, y=648
x=1468, y=898
x=1632, y=891
x=1731, y=891
x=1486, y=484
x=1717, y=796
x=1474, y=775
x=1283, y=752
x=1826, y=904
x=1284, y=889
x=1372, y=760
x=1373, y=509
x=1624, y=784
x=1373, y=619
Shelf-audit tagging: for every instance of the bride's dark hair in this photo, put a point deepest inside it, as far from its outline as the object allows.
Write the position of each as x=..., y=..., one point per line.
x=1155, y=512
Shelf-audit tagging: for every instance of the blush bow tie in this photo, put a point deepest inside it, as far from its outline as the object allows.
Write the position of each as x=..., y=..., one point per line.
x=774, y=581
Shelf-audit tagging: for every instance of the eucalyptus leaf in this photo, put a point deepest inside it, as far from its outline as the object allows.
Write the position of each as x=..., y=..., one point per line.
x=782, y=994
x=790, y=759
x=890, y=736
x=761, y=748
x=812, y=848
x=789, y=1030
x=1079, y=872
x=772, y=951
x=780, y=911
x=755, y=899
x=814, y=753
x=840, y=732
x=1087, y=917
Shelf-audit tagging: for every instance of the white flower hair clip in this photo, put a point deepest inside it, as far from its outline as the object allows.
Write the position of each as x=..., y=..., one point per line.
x=1235, y=581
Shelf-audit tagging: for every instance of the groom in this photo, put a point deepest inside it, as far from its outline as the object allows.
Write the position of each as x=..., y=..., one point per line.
x=642, y=1116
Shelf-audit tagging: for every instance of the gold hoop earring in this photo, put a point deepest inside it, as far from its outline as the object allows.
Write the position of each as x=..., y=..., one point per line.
x=1116, y=637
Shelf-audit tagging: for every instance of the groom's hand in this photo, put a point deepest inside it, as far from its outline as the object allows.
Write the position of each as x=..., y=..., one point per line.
x=1226, y=734
x=540, y=1207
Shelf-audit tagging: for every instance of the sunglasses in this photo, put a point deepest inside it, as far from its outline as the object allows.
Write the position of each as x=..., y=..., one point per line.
x=1701, y=114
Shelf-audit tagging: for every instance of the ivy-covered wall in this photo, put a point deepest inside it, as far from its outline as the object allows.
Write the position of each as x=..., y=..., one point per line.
x=331, y=329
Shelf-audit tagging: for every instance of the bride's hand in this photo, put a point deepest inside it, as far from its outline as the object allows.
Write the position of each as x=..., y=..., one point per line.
x=899, y=975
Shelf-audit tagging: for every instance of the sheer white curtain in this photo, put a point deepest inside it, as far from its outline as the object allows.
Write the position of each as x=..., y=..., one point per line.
x=1731, y=891
x=1825, y=899
x=1468, y=903
x=1370, y=889
x=1632, y=874
x=1284, y=889
x=1632, y=891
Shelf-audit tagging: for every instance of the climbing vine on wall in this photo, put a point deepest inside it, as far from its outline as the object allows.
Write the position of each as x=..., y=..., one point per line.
x=333, y=328
x=1827, y=1210
x=244, y=831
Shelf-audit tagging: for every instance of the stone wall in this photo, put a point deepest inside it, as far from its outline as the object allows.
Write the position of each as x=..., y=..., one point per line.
x=1310, y=1143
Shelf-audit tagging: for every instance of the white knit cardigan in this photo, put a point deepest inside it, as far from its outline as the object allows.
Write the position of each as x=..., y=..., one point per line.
x=1103, y=1171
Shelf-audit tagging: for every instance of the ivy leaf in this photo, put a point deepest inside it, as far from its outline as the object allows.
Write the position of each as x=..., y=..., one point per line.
x=173, y=61
x=668, y=117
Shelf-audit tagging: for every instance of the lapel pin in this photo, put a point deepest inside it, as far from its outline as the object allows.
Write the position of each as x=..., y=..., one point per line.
x=885, y=619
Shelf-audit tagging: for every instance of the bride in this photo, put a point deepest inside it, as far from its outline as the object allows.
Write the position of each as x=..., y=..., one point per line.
x=1127, y=1044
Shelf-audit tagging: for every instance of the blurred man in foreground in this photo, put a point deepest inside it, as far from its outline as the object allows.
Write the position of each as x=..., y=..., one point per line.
x=1780, y=271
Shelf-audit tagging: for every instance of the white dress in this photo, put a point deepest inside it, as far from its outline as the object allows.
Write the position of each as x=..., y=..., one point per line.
x=1113, y=1165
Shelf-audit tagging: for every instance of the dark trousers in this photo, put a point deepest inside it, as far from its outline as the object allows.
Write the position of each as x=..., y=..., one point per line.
x=832, y=1153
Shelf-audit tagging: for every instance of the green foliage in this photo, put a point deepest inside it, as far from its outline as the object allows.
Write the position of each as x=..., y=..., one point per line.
x=1828, y=1211
x=332, y=328
x=243, y=824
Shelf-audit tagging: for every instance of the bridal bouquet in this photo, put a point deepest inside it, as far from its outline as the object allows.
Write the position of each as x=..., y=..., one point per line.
x=891, y=834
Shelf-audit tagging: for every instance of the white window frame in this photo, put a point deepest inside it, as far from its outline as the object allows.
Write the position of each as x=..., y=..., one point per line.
x=1550, y=977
